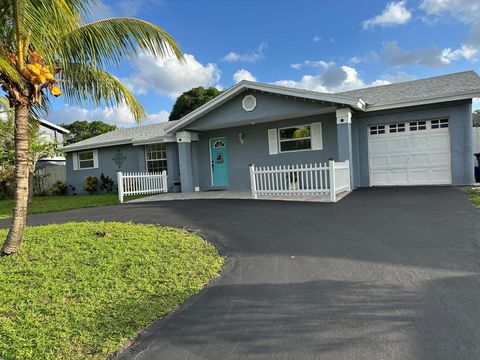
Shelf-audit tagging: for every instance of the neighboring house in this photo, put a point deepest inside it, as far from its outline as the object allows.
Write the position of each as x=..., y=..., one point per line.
x=411, y=133
x=51, y=133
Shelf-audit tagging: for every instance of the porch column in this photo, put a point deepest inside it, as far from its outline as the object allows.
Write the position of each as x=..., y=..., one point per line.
x=344, y=138
x=186, y=160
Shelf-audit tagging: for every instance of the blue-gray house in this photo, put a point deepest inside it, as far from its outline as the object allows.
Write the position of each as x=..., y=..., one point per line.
x=412, y=133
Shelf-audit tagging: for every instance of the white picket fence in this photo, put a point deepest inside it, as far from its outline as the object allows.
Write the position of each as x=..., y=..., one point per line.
x=138, y=183
x=302, y=179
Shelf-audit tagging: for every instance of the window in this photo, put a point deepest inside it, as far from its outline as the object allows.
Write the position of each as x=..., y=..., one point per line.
x=380, y=129
x=396, y=128
x=418, y=125
x=295, y=138
x=87, y=159
x=156, y=155
x=439, y=124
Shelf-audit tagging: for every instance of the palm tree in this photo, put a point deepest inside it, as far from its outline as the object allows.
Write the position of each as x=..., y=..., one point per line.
x=47, y=48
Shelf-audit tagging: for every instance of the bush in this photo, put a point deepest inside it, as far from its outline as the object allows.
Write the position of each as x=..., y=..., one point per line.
x=106, y=183
x=90, y=184
x=59, y=188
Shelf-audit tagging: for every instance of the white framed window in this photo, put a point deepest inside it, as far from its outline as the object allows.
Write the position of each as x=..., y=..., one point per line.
x=156, y=157
x=84, y=160
x=394, y=128
x=418, y=125
x=295, y=138
x=376, y=130
x=439, y=124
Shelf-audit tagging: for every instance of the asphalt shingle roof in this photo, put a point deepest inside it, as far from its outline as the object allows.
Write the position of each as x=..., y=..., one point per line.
x=438, y=86
x=127, y=135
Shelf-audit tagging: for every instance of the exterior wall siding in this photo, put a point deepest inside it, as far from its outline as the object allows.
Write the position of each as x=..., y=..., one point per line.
x=268, y=107
x=255, y=149
x=135, y=161
x=460, y=125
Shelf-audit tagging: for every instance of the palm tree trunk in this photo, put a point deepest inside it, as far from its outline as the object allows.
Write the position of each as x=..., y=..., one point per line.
x=19, y=217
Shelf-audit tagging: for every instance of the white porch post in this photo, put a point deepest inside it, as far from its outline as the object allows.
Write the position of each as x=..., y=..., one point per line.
x=344, y=138
x=253, y=182
x=331, y=172
x=120, y=186
x=185, y=159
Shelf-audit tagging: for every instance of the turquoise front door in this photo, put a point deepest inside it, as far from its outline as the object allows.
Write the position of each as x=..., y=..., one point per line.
x=219, y=161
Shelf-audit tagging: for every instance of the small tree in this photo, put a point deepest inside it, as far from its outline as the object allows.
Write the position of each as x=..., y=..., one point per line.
x=90, y=184
x=191, y=100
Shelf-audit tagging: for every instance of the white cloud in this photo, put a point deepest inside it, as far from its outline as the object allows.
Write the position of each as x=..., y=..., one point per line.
x=169, y=76
x=432, y=56
x=395, y=13
x=314, y=64
x=119, y=115
x=243, y=74
x=371, y=57
x=253, y=57
x=333, y=78
x=317, y=39
x=463, y=10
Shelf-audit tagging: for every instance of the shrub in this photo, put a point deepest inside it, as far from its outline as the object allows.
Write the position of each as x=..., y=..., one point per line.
x=90, y=184
x=59, y=188
x=106, y=183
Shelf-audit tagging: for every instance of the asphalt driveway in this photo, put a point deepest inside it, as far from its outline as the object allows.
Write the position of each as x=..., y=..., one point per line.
x=384, y=274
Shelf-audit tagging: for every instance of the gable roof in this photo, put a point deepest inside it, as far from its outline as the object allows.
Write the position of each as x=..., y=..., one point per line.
x=457, y=86
x=136, y=136
x=352, y=101
x=53, y=126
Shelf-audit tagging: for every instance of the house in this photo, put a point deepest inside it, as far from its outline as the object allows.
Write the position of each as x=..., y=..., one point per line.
x=412, y=133
x=51, y=133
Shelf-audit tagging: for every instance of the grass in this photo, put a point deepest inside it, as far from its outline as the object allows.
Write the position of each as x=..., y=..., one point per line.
x=474, y=195
x=73, y=294
x=45, y=204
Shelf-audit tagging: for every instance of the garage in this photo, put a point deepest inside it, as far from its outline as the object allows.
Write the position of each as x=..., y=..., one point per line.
x=410, y=153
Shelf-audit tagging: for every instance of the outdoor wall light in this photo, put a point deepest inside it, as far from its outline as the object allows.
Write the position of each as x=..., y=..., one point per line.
x=241, y=137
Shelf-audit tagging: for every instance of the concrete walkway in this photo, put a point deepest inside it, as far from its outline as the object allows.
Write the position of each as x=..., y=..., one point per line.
x=238, y=195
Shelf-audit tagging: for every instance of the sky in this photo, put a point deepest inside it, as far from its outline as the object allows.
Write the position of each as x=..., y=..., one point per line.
x=326, y=46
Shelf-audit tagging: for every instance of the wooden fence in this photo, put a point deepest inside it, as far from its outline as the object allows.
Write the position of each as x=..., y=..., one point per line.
x=301, y=179
x=139, y=183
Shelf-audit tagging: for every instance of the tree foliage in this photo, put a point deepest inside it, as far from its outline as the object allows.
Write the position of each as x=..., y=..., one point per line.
x=81, y=130
x=47, y=47
x=191, y=100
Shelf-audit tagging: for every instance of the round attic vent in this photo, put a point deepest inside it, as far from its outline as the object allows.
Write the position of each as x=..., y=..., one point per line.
x=249, y=103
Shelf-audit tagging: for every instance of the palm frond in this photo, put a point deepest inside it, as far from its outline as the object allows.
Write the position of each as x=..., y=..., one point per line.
x=86, y=84
x=10, y=72
x=108, y=42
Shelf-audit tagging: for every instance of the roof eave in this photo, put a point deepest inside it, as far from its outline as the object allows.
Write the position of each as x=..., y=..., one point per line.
x=356, y=103
x=72, y=148
x=424, y=101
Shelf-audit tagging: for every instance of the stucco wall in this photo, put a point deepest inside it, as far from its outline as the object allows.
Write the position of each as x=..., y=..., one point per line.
x=460, y=125
x=135, y=161
x=268, y=106
x=255, y=149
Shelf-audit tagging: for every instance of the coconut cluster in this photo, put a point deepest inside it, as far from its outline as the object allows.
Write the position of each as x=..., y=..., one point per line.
x=37, y=72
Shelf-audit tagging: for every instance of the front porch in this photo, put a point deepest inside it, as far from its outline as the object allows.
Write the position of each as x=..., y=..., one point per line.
x=236, y=195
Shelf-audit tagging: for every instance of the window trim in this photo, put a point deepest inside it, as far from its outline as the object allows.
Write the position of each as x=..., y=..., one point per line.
x=163, y=159
x=94, y=159
x=280, y=151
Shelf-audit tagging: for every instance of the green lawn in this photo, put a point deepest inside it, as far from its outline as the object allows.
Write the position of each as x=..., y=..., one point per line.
x=45, y=204
x=73, y=294
x=475, y=195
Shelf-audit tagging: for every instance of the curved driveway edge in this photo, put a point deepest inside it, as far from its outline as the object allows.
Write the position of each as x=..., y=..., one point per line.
x=388, y=273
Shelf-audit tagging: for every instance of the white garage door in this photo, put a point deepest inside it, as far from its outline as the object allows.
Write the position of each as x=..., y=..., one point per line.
x=410, y=153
